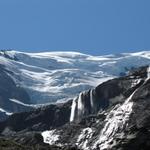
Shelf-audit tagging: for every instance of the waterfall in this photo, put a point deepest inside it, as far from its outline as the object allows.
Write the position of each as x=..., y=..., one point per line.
x=91, y=100
x=77, y=108
x=77, y=104
x=148, y=73
x=80, y=106
x=73, y=109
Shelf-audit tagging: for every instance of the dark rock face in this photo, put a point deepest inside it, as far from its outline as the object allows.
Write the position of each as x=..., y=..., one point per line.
x=113, y=116
x=38, y=119
x=3, y=116
x=25, y=128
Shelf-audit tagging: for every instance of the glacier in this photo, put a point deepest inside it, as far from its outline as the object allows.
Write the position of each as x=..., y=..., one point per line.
x=51, y=77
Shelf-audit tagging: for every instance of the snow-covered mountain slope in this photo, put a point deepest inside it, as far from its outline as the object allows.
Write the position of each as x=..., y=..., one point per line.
x=50, y=77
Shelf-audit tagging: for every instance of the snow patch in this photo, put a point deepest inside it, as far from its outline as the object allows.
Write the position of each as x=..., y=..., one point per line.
x=50, y=137
x=21, y=103
x=135, y=82
x=6, y=112
x=82, y=141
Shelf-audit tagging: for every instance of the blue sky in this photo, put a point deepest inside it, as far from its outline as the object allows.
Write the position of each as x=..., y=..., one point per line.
x=88, y=26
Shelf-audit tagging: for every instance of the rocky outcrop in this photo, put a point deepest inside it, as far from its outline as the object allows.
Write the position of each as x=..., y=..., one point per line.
x=40, y=119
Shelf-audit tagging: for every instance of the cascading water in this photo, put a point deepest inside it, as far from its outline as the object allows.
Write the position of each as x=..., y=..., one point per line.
x=91, y=99
x=73, y=109
x=80, y=104
x=148, y=73
x=78, y=107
